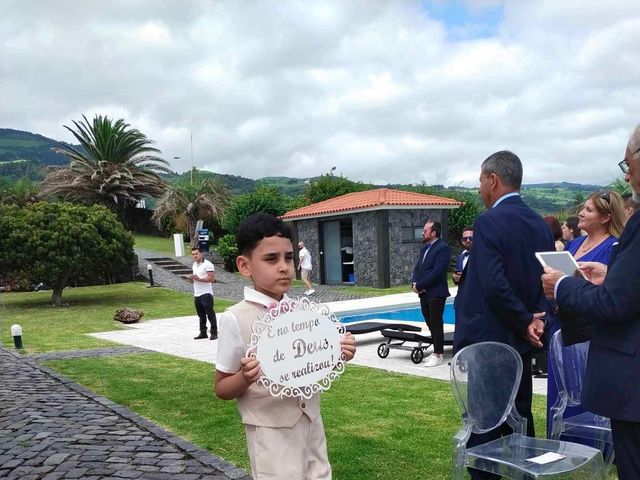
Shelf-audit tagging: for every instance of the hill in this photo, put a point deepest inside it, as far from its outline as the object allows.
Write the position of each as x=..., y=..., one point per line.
x=26, y=155
x=236, y=184
x=18, y=145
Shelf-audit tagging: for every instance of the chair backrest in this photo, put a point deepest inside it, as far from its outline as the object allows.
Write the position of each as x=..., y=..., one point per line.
x=485, y=378
x=569, y=366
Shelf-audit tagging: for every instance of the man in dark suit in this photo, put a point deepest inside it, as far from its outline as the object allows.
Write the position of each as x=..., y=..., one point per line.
x=430, y=283
x=612, y=298
x=501, y=298
x=463, y=258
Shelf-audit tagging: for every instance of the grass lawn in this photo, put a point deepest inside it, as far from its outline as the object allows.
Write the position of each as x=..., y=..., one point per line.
x=380, y=425
x=88, y=310
x=158, y=244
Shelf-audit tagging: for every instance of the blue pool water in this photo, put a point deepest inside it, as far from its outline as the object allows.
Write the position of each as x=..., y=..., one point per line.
x=398, y=314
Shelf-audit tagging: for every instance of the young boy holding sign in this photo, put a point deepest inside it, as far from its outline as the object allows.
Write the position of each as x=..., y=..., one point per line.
x=285, y=435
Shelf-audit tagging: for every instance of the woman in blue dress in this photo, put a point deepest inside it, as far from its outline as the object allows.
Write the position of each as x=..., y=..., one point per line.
x=602, y=219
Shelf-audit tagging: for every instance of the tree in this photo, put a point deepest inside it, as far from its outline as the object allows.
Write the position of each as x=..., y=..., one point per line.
x=329, y=186
x=55, y=243
x=460, y=217
x=117, y=168
x=263, y=200
x=207, y=200
x=465, y=215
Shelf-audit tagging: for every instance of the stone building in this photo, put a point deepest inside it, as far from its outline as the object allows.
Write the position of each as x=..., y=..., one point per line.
x=370, y=238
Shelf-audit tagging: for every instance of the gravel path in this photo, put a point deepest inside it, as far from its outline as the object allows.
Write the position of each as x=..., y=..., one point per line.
x=229, y=286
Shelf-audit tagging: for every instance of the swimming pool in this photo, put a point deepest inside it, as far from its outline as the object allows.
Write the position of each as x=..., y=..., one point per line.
x=401, y=314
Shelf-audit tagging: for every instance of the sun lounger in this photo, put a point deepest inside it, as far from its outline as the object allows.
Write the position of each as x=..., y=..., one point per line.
x=417, y=352
x=368, y=327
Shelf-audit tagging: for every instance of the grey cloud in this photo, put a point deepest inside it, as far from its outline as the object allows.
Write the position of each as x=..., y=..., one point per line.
x=293, y=88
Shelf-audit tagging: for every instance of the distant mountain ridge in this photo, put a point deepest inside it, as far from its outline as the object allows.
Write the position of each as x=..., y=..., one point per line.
x=26, y=155
x=17, y=145
x=566, y=185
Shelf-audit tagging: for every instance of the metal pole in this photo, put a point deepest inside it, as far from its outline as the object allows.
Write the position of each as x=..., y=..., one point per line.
x=16, y=332
x=150, y=270
x=191, y=133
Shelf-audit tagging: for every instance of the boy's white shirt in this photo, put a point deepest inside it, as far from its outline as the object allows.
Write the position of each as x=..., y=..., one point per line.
x=231, y=347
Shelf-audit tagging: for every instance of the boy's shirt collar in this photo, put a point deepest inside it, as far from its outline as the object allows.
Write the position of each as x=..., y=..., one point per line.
x=254, y=296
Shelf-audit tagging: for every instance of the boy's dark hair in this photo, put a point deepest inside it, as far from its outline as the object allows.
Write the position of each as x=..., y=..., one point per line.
x=258, y=226
x=193, y=249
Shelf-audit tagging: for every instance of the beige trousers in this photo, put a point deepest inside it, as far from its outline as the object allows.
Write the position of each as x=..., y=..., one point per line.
x=297, y=453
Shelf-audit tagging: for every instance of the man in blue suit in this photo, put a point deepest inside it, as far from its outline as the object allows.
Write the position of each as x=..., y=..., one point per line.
x=611, y=385
x=430, y=283
x=501, y=298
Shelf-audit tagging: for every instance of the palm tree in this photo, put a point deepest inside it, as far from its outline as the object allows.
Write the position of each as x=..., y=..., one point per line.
x=117, y=166
x=619, y=185
x=206, y=200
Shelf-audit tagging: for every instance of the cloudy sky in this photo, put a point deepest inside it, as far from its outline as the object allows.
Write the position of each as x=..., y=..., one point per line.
x=386, y=91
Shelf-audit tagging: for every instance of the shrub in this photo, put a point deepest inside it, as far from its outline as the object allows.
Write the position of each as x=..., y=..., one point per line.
x=228, y=250
x=57, y=243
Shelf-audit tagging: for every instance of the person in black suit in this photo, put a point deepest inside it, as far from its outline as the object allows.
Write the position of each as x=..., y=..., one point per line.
x=430, y=283
x=461, y=261
x=612, y=299
x=463, y=258
x=501, y=298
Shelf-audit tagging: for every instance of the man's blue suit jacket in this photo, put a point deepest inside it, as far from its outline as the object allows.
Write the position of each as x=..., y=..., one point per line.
x=431, y=275
x=500, y=289
x=460, y=260
x=612, y=383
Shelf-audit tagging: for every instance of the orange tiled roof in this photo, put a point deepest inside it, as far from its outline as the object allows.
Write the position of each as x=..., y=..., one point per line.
x=369, y=200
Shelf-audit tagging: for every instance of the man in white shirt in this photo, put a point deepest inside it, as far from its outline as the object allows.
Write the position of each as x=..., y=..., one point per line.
x=203, y=278
x=305, y=267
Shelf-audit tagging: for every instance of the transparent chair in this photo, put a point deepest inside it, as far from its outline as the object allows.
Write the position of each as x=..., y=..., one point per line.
x=569, y=365
x=485, y=378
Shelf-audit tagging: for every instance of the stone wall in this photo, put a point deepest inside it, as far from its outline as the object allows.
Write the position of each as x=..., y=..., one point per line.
x=365, y=249
x=307, y=231
x=403, y=256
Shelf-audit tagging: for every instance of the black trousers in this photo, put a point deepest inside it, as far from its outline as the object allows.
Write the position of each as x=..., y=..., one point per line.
x=523, y=401
x=204, y=308
x=626, y=444
x=432, y=310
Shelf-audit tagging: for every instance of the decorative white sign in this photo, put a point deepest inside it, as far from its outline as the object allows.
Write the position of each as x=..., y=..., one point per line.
x=298, y=345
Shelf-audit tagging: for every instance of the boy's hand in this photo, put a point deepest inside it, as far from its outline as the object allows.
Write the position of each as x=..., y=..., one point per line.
x=250, y=369
x=348, y=345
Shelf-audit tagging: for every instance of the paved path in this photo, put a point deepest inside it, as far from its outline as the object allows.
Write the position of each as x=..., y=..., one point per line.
x=51, y=428
x=174, y=336
x=229, y=285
